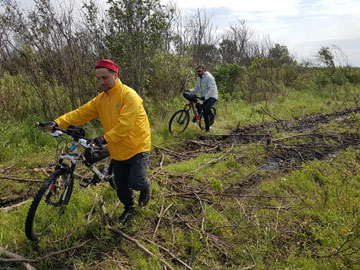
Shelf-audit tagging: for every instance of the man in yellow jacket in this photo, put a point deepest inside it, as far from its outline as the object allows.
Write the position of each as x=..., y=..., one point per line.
x=126, y=133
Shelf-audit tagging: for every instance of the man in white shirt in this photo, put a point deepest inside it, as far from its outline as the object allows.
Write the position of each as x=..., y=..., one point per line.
x=206, y=86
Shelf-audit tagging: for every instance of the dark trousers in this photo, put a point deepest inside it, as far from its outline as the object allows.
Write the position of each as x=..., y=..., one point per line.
x=206, y=107
x=131, y=175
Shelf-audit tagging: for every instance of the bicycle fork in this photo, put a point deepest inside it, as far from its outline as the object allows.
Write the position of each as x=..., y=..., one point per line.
x=66, y=171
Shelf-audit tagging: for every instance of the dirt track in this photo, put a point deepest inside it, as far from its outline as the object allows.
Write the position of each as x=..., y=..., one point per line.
x=288, y=143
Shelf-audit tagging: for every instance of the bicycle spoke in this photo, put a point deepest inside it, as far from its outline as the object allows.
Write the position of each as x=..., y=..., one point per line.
x=49, y=204
x=179, y=122
x=45, y=217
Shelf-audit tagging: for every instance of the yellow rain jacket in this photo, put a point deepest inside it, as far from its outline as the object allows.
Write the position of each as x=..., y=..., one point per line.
x=123, y=118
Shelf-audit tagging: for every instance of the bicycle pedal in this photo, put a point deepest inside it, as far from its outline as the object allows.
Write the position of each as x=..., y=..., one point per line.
x=85, y=183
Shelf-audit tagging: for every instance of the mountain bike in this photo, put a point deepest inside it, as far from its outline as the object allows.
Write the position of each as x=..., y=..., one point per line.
x=180, y=120
x=54, y=195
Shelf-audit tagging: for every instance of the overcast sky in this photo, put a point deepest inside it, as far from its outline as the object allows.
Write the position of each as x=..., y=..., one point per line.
x=304, y=26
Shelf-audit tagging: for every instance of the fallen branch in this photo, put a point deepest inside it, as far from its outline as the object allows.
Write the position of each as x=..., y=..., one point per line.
x=13, y=206
x=160, y=217
x=168, y=251
x=19, y=179
x=215, y=160
x=22, y=259
x=136, y=242
x=16, y=257
x=105, y=215
x=92, y=209
x=128, y=238
x=293, y=136
x=268, y=207
x=259, y=196
x=265, y=111
x=252, y=258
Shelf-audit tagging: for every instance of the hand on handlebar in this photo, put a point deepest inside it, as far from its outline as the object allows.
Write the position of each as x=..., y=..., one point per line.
x=51, y=125
x=99, y=141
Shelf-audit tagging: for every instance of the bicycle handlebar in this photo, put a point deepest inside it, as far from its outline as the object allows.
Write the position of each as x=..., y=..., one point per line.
x=72, y=134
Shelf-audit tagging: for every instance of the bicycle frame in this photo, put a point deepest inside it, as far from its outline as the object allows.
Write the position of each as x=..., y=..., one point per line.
x=190, y=106
x=180, y=119
x=75, y=154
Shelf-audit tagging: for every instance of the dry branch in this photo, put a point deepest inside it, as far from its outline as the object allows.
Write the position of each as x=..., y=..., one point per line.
x=92, y=209
x=13, y=206
x=105, y=215
x=160, y=217
x=22, y=259
x=136, y=242
x=16, y=257
x=168, y=251
x=128, y=238
x=19, y=179
x=214, y=160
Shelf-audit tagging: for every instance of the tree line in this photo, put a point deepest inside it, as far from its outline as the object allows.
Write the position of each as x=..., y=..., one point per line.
x=47, y=55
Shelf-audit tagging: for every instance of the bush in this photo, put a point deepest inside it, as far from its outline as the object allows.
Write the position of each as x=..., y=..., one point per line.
x=169, y=76
x=17, y=99
x=229, y=78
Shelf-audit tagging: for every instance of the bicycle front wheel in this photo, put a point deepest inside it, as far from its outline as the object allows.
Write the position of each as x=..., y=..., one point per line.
x=179, y=122
x=49, y=204
x=211, y=118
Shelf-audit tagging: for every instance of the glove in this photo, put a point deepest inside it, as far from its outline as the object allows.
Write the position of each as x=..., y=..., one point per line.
x=99, y=141
x=51, y=125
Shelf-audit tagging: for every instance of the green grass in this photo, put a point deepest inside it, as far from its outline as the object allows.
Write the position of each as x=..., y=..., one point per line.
x=306, y=218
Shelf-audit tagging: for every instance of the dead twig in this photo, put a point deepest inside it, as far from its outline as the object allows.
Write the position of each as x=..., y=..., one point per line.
x=22, y=259
x=160, y=217
x=266, y=112
x=293, y=136
x=19, y=179
x=168, y=251
x=269, y=207
x=8, y=208
x=92, y=209
x=105, y=215
x=116, y=207
x=125, y=236
x=16, y=257
x=214, y=160
x=140, y=246
x=254, y=262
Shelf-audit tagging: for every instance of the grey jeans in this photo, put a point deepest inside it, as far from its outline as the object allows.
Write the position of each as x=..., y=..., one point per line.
x=131, y=175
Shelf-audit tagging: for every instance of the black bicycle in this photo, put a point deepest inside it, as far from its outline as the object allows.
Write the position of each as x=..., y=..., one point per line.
x=180, y=120
x=54, y=195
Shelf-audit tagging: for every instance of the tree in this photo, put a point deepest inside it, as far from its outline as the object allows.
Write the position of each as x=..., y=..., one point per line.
x=48, y=46
x=329, y=56
x=203, y=38
x=227, y=50
x=326, y=57
x=137, y=29
x=279, y=55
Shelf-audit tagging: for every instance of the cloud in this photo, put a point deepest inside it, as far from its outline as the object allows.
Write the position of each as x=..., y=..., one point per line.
x=302, y=25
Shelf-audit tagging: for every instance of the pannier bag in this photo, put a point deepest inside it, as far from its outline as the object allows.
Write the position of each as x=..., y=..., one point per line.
x=189, y=96
x=96, y=154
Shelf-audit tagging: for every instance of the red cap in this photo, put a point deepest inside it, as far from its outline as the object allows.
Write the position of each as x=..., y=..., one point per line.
x=105, y=63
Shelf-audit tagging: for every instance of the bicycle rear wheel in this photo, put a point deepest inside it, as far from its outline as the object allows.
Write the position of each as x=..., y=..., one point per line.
x=211, y=118
x=49, y=203
x=179, y=122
